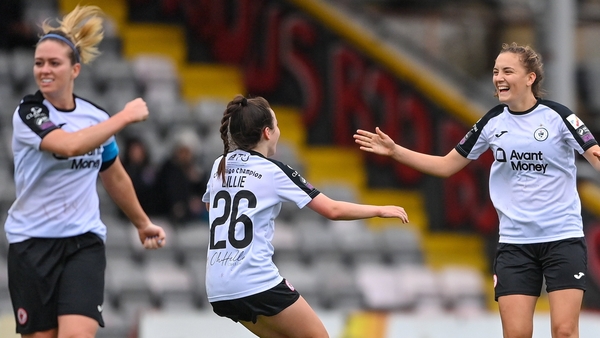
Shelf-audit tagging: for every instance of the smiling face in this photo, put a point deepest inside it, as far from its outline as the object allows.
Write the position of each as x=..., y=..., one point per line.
x=513, y=82
x=53, y=71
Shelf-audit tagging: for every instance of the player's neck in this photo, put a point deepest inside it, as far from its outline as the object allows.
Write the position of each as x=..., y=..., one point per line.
x=63, y=101
x=262, y=148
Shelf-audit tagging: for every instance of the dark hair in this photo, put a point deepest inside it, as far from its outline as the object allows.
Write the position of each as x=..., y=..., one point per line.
x=243, y=121
x=532, y=61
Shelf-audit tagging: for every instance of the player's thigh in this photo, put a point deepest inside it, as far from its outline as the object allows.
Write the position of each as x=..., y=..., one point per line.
x=76, y=326
x=296, y=321
x=516, y=314
x=42, y=334
x=565, y=306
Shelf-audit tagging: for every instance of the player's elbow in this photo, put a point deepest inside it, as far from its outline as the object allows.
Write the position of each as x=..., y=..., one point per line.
x=69, y=151
x=335, y=212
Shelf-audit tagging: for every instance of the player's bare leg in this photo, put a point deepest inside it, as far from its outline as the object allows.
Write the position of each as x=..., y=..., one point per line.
x=298, y=320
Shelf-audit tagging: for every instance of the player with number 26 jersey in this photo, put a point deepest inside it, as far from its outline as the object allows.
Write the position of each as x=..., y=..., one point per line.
x=241, y=227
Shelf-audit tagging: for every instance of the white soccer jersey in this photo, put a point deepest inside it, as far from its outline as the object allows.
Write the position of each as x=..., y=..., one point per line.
x=533, y=178
x=243, y=209
x=56, y=196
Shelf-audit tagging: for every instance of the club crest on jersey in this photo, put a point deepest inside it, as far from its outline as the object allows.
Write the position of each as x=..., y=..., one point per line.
x=540, y=134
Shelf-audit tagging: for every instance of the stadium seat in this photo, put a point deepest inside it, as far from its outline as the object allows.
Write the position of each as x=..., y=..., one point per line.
x=337, y=286
x=462, y=290
x=357, y=242
x=192, y=240
x=170, y=284
x=377, y=284
x=304, y=279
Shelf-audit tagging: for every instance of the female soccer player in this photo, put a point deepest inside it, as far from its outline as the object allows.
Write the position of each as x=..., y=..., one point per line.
x=532, y=186
x=61, y=143
x=244, y=196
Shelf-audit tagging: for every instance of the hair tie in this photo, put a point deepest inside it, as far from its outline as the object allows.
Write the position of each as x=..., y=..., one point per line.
x=244, y=102
x=65, y=40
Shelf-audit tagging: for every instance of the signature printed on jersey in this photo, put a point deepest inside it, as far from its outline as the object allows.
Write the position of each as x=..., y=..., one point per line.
x=227, y=258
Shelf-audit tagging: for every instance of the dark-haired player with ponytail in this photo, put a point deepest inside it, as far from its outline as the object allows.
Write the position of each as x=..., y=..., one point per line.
x=244, y=196
x=61, y=144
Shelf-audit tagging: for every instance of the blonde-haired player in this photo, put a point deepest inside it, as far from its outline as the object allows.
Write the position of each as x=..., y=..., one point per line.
x=61, y=143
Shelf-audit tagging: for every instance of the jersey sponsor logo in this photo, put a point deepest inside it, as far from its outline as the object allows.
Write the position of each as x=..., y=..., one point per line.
x=22, y=316
x=579, y=275
x=500, y=155
x=540, y=134
x=58, y=157
x=80, y=163
x=522, y=157
x=501, y=133
x=520, y=160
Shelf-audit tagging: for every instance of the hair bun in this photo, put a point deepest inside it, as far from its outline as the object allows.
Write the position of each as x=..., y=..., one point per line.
x=244, y=102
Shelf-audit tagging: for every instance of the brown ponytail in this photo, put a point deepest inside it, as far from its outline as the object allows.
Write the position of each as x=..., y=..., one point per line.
x=243, y=121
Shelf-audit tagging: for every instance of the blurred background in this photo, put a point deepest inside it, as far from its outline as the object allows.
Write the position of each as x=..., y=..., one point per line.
x=419, y=69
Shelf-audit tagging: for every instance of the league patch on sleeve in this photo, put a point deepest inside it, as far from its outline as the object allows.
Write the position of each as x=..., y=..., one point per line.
x=36, y=116
x=471, y=131
x=574, y=121
x=580, y=128
x=584, y=133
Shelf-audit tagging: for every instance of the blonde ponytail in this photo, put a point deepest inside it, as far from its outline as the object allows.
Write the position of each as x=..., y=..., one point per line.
x=82, y=27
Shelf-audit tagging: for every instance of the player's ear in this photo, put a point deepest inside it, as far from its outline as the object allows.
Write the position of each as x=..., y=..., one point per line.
x=266, y=133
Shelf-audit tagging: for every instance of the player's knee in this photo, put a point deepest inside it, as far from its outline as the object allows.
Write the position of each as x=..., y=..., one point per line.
x=518, y=333
x=564, y=330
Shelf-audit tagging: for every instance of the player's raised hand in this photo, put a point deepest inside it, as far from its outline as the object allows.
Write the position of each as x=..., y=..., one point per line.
x=152, y=236
x=377, y=143
x=392, y=211
x=136, y=110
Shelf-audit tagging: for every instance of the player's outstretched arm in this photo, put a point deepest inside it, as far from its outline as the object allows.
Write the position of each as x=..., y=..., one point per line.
x=340, y=210
x=77, y=143
x=381, y=144
x=118, y=184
